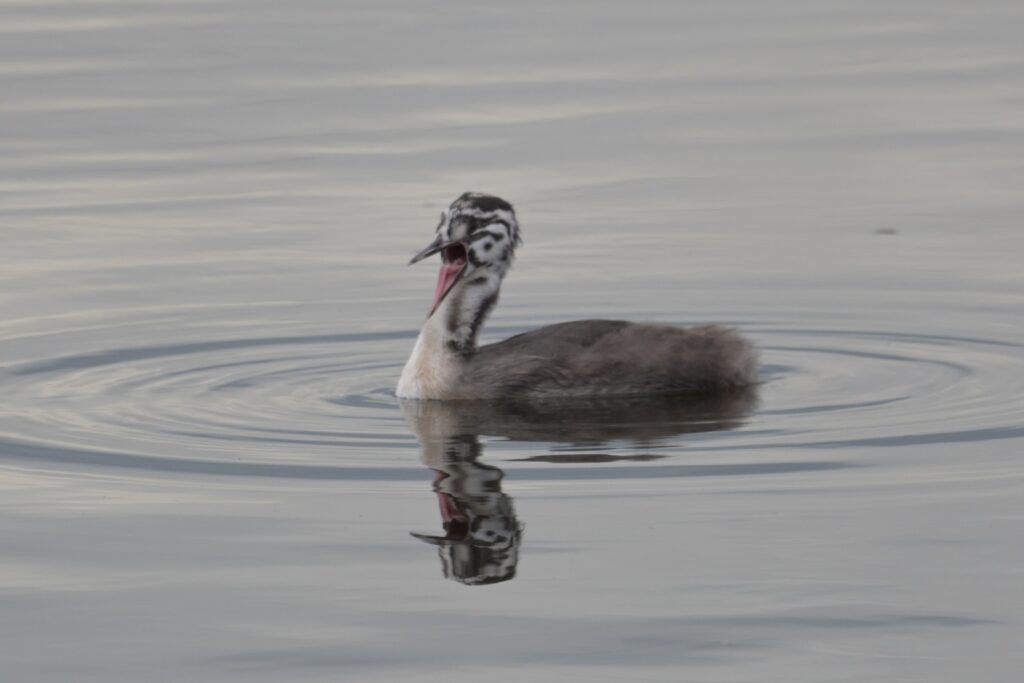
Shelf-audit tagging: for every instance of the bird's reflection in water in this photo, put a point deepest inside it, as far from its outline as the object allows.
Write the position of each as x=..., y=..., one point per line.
x=481, y=539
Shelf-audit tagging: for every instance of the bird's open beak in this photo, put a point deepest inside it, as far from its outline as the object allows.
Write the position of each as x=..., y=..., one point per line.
x=453, y=265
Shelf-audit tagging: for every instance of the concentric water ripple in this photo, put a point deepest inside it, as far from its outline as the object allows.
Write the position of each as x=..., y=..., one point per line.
x=853, y=387
x=322, y=404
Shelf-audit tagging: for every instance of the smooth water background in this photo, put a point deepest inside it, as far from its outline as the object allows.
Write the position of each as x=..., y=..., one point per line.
x=205, y=211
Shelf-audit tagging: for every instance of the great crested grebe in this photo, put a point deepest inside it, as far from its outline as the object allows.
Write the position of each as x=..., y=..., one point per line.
x=477, y=238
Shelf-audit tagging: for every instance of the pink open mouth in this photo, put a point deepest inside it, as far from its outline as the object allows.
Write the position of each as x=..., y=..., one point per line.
x=453, y=263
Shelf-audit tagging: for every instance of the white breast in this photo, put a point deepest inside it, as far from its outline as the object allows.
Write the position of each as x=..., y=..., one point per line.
x=430, y=372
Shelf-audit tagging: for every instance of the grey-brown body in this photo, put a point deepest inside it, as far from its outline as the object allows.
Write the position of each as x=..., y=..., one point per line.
x=589, y=358
x=586, y=358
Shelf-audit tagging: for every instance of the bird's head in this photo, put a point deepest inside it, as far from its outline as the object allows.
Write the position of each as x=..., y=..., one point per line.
x=477, y=238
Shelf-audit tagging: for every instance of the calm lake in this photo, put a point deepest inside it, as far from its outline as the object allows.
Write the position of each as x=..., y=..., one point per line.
x=206, y=211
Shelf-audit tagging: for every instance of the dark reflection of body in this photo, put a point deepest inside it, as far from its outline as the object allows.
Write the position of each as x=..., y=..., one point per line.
x=482, y=534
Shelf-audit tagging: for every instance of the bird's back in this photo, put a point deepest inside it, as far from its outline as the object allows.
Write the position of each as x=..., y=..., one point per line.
x=612, y=358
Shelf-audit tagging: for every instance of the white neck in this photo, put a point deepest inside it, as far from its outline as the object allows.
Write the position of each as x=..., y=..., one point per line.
x=448, y=340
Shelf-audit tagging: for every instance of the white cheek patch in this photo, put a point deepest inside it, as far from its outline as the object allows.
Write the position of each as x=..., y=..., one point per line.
x=478, y=255
x=457, y=230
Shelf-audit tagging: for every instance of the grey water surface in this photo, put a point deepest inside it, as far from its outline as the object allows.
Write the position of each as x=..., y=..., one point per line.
x=206, y=208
